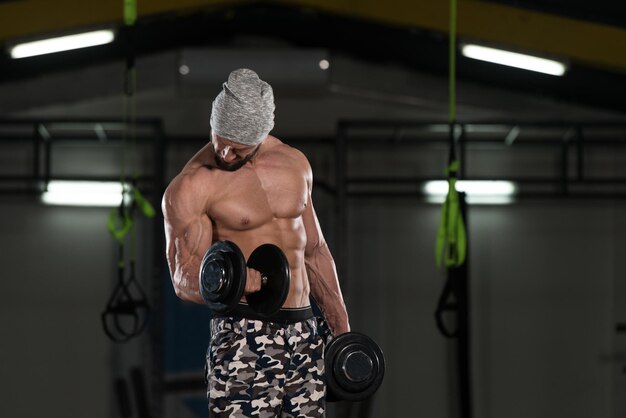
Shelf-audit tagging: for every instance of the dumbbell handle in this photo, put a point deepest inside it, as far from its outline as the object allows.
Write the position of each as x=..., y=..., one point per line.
x=264, y=279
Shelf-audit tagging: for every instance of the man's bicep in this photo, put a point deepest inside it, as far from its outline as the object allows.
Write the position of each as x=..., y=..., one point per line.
x=187, y=225
x=188, y=233
x=187, y=238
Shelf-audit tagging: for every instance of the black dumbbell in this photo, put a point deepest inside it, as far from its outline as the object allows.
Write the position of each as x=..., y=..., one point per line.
x=223, y=278
x=355, y=367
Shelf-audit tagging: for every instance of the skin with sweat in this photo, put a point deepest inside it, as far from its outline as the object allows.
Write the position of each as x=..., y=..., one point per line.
x=251, y=195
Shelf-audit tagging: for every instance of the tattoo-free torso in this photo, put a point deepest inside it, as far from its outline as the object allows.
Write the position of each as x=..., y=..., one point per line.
x=263, y=202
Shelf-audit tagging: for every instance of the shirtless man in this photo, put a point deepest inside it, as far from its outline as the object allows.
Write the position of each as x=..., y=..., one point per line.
x=248, y=187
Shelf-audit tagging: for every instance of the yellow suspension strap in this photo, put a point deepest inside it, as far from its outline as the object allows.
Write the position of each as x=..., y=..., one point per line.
x=127, y=311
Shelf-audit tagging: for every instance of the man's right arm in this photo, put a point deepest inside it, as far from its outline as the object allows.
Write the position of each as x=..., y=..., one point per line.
x=188, y=233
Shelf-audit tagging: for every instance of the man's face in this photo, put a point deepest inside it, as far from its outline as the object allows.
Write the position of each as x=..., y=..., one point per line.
x=229, y=155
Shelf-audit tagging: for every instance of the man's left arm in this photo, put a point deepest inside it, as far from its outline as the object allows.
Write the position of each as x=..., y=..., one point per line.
x=322, y=273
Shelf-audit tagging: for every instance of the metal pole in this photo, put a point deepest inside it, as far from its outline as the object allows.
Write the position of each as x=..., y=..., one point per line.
x=564, y=166
x=157, y=333
x=36, y=152
x=580, y=153
x=462, y=149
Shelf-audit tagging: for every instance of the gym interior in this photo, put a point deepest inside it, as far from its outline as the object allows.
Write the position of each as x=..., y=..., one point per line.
x=382, y=99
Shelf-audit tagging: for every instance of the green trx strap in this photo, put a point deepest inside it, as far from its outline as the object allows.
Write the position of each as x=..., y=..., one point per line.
x=120, y=223
x=451, y=245
x=127, y=311
x=142, y=203
x=121, y=219
x=452, y=64
x=130, y=12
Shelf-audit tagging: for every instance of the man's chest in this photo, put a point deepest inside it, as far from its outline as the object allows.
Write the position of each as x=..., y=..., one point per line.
x=251, y=198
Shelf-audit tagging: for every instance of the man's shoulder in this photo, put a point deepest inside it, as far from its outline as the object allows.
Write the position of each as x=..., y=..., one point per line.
x=197, y=172
x=190, y=191
x=289, y=151
x=192, y=179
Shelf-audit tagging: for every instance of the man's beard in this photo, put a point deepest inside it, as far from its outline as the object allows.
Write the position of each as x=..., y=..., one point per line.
x=235, y=165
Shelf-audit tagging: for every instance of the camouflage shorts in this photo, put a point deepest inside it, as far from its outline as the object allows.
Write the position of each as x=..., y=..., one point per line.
x=264, y=369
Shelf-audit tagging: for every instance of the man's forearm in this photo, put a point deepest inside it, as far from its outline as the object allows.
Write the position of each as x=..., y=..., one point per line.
x=186, y=283
x=187, y=293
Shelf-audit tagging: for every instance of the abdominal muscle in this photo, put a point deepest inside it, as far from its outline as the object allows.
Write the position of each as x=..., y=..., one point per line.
x=290, y=237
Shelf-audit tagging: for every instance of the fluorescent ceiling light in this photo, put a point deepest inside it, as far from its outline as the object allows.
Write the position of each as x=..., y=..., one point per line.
x=83, y=193
x=488, y=192
x=513, y=59
x=62, y=43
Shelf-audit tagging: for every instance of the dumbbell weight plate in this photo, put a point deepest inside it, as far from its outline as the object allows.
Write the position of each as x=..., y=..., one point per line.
x=273, y=264
x=355, y=367
x=223, y=273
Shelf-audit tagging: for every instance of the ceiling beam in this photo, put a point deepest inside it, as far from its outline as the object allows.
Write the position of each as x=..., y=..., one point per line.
x=588, y=43
x=27, y=18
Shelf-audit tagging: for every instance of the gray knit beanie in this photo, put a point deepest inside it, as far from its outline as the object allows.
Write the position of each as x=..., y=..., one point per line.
x=243, y=111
